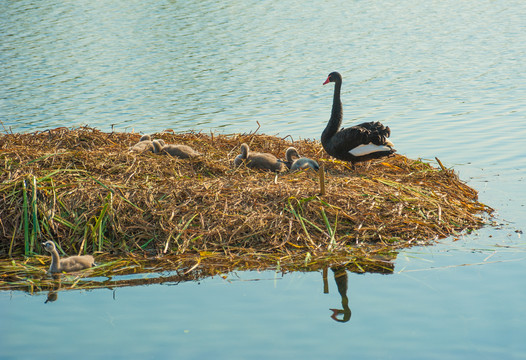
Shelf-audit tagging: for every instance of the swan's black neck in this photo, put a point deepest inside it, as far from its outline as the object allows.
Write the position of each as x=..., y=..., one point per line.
x=336, y=114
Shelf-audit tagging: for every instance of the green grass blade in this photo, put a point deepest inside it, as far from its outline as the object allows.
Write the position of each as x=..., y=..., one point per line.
x=63, y=221
x=301, y=220
x=327, y=224
x=26, y=219
x=36, y=226
x=98, y=228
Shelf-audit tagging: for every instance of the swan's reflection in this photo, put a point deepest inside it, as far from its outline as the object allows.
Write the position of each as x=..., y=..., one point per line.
x=341, y=279
x=52, y=295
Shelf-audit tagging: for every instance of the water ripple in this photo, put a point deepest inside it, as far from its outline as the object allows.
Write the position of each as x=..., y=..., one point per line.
x=445, y=76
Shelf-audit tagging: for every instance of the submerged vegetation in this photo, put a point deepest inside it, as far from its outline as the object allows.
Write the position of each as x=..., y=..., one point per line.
x=84, y=190
x=30, y=274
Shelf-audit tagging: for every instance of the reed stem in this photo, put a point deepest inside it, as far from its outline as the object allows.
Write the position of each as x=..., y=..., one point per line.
x=321, y=173
x=26, y=218
x=36, y=227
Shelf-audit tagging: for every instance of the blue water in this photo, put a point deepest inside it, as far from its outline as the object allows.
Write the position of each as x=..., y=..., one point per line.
x=448, y=78
x=433, y=307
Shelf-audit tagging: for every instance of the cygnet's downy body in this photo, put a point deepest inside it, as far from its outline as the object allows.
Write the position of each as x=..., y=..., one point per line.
x=300, y=163
x=144, y=144
x=179, y=151
x=255, y=160
x=72, y=263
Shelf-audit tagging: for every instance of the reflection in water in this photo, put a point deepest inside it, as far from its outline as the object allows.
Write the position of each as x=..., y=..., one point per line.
x=52, y=295
x=31, y=277
x=341, y=279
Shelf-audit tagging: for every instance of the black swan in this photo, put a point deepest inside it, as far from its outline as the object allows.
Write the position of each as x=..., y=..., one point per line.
x=180, y=151
x=255, y=160
x=358, y=143
x=301, y=163
x=72, y=263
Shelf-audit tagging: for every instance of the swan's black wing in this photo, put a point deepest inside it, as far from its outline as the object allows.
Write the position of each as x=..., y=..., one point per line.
x=377, y=132
x=345, y=140
x=349, y=138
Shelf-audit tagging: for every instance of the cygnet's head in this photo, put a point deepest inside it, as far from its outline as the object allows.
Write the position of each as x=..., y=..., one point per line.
x=158, y=146
x=49, y=246
x=244, y=150
x=290, y=153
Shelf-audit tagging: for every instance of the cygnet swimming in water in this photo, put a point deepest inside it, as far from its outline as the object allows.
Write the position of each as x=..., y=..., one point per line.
x=255, y=160
x=72, y=263
x=302, y=163
x=180, y=151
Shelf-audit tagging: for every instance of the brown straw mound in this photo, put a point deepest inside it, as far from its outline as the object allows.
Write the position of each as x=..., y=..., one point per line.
x=83, y=189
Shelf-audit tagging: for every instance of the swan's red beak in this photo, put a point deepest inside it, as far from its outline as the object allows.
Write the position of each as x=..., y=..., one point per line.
x=328, y=80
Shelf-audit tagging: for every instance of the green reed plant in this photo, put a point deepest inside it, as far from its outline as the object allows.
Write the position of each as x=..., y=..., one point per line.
x=36, y=225
x=25, y=211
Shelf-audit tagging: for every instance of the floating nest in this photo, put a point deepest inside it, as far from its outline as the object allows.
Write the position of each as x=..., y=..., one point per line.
x=83, y=189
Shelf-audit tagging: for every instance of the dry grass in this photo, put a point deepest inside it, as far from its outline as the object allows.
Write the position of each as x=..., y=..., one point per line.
x=84, y=190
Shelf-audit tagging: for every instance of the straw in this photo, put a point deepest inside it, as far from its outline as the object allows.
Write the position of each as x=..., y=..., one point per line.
x=90, y=194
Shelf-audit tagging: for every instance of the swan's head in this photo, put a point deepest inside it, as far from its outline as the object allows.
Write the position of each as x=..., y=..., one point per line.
x=333, y=77
x=49, y=245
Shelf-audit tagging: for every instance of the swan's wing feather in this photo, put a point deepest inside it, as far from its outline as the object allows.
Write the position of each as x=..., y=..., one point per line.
x=376, y=126
x=363, y=140
x=370, y=148
x=377, y=132
x=349, y=138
